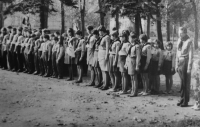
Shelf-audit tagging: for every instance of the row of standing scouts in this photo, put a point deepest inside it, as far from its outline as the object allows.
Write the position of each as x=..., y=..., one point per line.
x=115, y=60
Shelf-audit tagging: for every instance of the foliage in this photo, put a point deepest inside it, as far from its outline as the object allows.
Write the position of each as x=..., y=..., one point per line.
x=34, y=6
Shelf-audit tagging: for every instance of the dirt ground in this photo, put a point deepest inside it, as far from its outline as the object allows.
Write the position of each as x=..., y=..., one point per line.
x=29, y=101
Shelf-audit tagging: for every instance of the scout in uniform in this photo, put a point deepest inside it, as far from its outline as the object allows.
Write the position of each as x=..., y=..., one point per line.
x=8, y=47
x=17, y=49
x=44, y=54
x=3, y=34
x=41, y=62
x=144, y=63
x=69, y=59
x=133, y=63
x=36, y=53
x=90, y=54
x=95, y=63
x=49, y=55
x=103, y=56
x=4, y=49
x=31, y=54
x=54, y=52
x=123, y=52
x=14, y=32
x=184, y=62
x=79, y=54
x=60, y=58
x=113, y=60
x=168, y=66
x=26, y=48
x=155, y=66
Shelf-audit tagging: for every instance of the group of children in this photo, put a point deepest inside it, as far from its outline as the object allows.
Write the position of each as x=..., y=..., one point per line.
x=115, y=60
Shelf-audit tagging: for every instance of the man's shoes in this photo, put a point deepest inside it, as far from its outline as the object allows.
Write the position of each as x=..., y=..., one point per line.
x=184, y=105
x=104, y=88
x=91, y=84
x=79, y=81
x=69, y=79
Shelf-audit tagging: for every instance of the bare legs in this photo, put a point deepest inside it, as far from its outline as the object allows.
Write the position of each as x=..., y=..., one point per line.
x=145, y=81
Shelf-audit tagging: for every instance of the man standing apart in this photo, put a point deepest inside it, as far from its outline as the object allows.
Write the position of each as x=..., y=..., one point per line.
x=184, y=62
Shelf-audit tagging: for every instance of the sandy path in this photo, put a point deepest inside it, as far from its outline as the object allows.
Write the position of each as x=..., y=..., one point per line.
x=28, y=101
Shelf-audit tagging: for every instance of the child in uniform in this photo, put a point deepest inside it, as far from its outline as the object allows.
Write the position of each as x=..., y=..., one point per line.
x=54, y=52
x=168, y=66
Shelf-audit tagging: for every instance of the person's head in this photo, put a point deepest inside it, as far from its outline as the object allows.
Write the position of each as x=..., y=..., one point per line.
x=90, y=29
x=79, y=34
x=156, y=43
x=182, y=32
x=56, y=39
x=143, y=38
x=114, y=35
x=44, y=32
x=57, y=34
x=169, y=46
x=19, y=31
x=123, y=36
x=133, y=37
x=52, y=36
x=46, y=38
x=70, y=32
x=4, y=31
x=14, y=31
x=96, y=33
x=102, y=30
x=33, y=36
x=9, y=29
x=29, y=32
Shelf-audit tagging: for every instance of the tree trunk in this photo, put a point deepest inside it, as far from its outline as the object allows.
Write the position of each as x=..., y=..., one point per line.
x=168, y=30
x=102, y=16
x=141, y=30
x=137, y=24
x=196, y=26
x=159, y=29
x=1, y=15
x=62, y=17
x=82, y=11
x=148, y=26
x=117, y=20
x=43, y=14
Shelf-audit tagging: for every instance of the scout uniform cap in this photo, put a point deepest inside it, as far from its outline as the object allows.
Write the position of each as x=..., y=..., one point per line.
x=114, y=33
x=123, y=34
x=102, y=28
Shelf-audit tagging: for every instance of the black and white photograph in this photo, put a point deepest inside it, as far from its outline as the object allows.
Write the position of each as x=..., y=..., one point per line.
x=99, y=63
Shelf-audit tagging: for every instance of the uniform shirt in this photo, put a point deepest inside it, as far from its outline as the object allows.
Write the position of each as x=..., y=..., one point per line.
x=146, y=51
x=135, y=52
x=124, y=50
x=156, y=54
x=91, y=42
x=20, y=40
x=80, y=46
x=55, y=47
x=185, y=51
x=60, y=52
x=15, y=39
x=169, y=56
x=103, y=42
x=5, y=39
x=114, y=47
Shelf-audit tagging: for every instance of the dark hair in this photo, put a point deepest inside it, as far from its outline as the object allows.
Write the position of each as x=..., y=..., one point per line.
x=90, y=28
x=56, y=39
x=133, y=35
x=78, y=32
x=14, y=29
x=52, y=35
x=70, y=30
x=169, y=44
x=184, y=29
x=33, y=35
x=96, y=32
x=58, y=33
x=107, y=32
x=143, y=37
x=102, y=28
x=124, y=34
x=115, y=34
x=20, y=29
x=46, y=37
x=9, y=27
